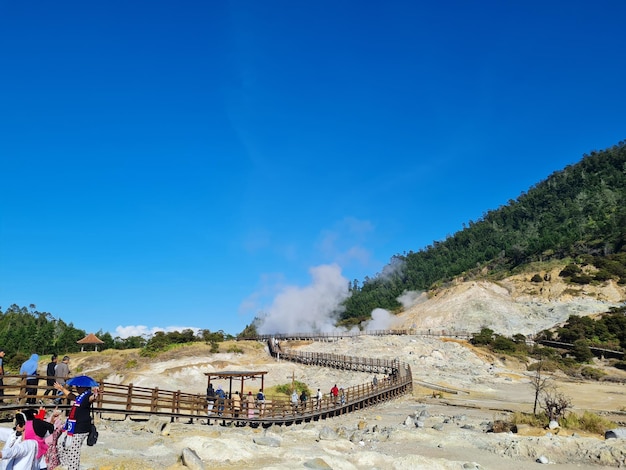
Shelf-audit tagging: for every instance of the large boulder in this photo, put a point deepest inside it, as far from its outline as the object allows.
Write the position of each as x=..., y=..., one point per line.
x=617, y=433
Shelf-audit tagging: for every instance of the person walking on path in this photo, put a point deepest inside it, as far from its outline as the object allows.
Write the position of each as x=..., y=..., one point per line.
x=62, y=373
x=29, y=369
x=303, y=399
x=50, y=375
x=319, y=399
x=334, y=393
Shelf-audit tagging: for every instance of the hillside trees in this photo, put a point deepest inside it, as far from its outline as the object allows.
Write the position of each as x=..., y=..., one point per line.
x=578, y=213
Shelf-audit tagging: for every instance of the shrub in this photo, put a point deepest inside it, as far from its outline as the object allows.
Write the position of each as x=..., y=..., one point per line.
x=581, y=279
x=131, y=363
x=536, y=278
x=581, y=351
x=570, y=270
x=483, y=338
x=234, y=349
x=592, y=373
x=546, y=366
x=503, y=344
x=286, y=389
x=538, y=420
x=589, y=422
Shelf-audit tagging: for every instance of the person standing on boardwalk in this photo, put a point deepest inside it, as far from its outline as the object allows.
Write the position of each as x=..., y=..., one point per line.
x=236, y=401
x=294, y=400
x=319, y=399
x=50, y=375
x=2, y=375
x=210, y=399
x=250, y=404
x=260, y=399
x=77, y=426
x=29, y=369
x=62, y=373
x=334, y=393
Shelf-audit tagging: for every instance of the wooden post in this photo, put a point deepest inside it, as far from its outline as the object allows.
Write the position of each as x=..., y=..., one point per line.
x=129, y=397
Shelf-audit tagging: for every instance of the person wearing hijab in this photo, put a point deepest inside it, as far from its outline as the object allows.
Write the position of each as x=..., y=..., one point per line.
x=37, y=429
x=29, y=369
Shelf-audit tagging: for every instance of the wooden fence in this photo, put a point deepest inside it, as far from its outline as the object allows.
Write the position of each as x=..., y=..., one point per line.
x=130, y=400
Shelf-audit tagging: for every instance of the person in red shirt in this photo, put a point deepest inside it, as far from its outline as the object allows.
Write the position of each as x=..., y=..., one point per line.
x=335, y=393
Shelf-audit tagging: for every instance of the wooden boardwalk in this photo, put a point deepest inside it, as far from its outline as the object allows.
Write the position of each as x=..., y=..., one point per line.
x=142, y=402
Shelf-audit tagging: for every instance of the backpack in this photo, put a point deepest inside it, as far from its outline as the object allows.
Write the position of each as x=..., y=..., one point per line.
x=260, y=396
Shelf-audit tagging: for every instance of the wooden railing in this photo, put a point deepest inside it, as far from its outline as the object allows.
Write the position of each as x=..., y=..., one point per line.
x=131, y=400
x=337, y=335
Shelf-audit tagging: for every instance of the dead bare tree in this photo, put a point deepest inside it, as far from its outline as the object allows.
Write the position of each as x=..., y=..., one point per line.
x=540, y=384
x=555, y=404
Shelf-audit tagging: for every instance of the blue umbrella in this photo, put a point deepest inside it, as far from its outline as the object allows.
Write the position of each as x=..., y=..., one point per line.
x=82, y=381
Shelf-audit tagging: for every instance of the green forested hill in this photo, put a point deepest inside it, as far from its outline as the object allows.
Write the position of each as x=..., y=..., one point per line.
x=577, y=213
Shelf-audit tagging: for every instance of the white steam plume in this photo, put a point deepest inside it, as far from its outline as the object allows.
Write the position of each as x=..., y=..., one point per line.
x=381, y=320
x=313, y=308
x=409, y=298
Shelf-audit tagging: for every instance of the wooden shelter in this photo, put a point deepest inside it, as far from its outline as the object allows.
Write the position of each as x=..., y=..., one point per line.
x=90, y=339
x=236, y=375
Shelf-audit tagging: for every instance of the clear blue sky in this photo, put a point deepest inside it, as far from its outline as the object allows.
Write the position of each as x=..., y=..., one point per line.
x=182, y=164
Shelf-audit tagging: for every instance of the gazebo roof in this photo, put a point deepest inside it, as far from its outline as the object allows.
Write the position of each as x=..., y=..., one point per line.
x=238, y=374
x=90, y=339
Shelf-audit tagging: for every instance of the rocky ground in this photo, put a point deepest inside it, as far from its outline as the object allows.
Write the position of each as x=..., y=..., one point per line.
x=421, y=431
x=418, y=431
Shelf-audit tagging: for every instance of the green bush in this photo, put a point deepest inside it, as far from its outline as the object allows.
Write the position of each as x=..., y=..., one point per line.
x=589, y=422
x=581, y=279
x=286, y=389
x=545, y=365
x=484, y=338
x=503, y=344
x=570, y=270
x=234, y=349
x=592, y=373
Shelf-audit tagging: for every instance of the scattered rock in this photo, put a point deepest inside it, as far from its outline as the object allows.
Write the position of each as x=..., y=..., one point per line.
x=327, y=434
x=317, y=464
x=542, y=459
x=191, y=460
x=617, y=433
x=266, y=441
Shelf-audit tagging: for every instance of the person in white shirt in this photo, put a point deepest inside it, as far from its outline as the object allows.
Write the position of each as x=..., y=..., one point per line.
x=18, y=454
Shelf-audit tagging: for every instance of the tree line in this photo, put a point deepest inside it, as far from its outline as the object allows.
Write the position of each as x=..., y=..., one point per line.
x=578, y=213
x=25, y=330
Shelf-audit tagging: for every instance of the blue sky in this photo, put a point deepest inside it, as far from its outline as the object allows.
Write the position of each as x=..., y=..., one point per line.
x=186, y=164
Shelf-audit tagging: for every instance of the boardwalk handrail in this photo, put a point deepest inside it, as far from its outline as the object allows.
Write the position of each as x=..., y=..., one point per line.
x=132, y=400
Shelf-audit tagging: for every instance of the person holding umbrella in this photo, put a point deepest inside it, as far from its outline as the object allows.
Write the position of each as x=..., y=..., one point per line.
x=78, y=424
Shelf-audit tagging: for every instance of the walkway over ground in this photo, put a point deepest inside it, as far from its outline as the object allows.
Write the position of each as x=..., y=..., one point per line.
x=142, y=402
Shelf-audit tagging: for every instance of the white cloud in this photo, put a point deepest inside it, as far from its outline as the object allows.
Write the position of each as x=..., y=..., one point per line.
x=146, y=332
